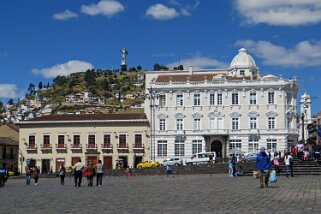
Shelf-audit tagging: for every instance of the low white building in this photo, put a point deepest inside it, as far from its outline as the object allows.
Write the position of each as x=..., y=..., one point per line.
x=228, y=111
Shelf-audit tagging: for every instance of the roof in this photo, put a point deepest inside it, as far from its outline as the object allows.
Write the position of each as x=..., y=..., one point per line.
x=13, y=126
x=319, y=114
x=242, y=59
x=90, y=117
x=8, y=141
x=185, y=78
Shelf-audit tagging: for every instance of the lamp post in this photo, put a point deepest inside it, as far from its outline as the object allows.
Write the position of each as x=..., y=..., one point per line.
x=151, y=96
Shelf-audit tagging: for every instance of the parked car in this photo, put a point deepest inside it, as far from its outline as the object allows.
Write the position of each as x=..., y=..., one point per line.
x=10, y=173
x=250, y=157
x=173, y=161
x=147, y=164
x=202, y=158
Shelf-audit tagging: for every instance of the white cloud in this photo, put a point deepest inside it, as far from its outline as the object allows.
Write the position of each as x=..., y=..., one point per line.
x=104, y=7
x=199, y=62
x=161, y=12
x=280, y=12
x=63, y=69
x=304, y=54
x=65, y=15
x=8, y=91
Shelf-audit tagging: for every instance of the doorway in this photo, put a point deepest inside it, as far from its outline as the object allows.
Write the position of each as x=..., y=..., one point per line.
x=125, y=161
x=59, y=161
x=108, y=162
x=216, y=146
x=45, y=166
x=137, y=160
x=91, y=160
x=74, y=160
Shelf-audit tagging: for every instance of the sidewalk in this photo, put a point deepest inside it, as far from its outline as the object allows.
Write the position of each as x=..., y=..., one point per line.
x=206, y=193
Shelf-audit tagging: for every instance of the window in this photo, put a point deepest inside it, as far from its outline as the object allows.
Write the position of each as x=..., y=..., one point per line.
x=179, y=124
x=77, y=139
x=235, y=98
x=179, y=100
x=162, y=124
x=252, y=98
x=91, y=139
x=179, y=148
x=235, y=123
x=271, y=145
x=32, y=139
x=197, y=99
x=253, y=146
x=162, y=100
x=46, y=139
x=235, y=144
x=253, y=123
x=271, y=123
x=61, y=141
x=197, y=124
x=162, y=148
x=212, y=99
x=138, y=140
x=271, y=97
x=219, y=99
x=242, y=72
x=196, y=146
x=216, y=123
x=289, y=121
x=122, y=141
x=107, y=139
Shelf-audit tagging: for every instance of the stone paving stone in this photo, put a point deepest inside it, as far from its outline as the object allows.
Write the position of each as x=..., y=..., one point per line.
x=160, y=194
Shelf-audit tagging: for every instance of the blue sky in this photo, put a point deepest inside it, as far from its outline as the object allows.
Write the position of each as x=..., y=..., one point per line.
x=40, y=39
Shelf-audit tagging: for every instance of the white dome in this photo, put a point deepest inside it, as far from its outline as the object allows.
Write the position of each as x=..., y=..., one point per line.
x=242, y=60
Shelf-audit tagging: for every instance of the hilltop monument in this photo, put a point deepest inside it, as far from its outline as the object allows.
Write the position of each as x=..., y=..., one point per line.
x=123, y=65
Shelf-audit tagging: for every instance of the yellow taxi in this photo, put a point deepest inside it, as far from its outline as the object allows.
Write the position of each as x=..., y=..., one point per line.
x=10, y=173
x=148, y=164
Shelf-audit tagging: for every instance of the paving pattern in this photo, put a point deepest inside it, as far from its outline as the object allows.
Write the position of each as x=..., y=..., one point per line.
x=215, y=193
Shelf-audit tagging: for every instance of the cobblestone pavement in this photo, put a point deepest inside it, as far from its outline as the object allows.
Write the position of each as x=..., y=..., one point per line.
x=159, y=194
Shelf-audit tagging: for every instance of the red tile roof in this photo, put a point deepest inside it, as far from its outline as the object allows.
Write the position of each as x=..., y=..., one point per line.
x=97, y=117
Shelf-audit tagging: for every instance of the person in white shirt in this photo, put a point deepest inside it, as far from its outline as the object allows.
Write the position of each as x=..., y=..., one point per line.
x=78, y=173
x=288, y=160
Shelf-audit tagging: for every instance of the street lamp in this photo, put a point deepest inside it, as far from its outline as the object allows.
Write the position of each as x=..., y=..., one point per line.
x=151, y=96
x=305, y=106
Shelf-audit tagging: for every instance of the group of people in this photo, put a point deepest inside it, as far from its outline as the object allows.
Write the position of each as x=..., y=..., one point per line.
x=32, y=172
x=305, y=154
x=90, y=171
x=264, y=165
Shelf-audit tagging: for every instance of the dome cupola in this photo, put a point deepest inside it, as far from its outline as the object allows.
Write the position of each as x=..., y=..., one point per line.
x=243, y=65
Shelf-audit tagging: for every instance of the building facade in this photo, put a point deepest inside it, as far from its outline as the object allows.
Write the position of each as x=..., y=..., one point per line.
x=9, y=147
x=51, y=140
x=229, y=111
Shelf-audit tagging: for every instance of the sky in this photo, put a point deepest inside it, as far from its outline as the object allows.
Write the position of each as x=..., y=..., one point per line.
x=41, y=39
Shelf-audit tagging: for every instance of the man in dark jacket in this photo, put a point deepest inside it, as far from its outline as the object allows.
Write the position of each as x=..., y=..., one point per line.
x=3, y=176
x=263, y=165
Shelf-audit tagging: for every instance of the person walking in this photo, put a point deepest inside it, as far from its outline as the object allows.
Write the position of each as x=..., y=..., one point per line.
x=263, y=165
x=91, y=174
x=35, y=174
x=300, y=149
x=78, y=167
x=128, y=173
x=28, y=175
x=99, y=173
x=168, y=170
x=62, y=174
x=276, y=162
x=3, y=176
x=230, y=168
x=288, y=160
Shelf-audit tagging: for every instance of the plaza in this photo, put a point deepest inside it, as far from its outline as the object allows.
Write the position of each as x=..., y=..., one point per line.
x=209, y=193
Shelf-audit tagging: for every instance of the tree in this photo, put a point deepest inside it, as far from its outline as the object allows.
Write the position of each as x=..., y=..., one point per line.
x=157, y=67
x=40, y=85
x=31, y=88
x=90, y=77
x=10, y=101
x=139, y=67
x=1, y=104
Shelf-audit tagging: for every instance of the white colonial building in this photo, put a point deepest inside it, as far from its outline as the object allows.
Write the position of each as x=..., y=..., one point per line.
x=227, y=110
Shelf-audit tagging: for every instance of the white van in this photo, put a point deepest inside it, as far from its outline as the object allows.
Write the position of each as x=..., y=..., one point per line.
x=202, y=158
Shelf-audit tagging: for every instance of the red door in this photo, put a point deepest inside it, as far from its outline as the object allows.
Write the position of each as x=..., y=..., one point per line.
x=108, y=162
x=91, y=159
x=74, y=160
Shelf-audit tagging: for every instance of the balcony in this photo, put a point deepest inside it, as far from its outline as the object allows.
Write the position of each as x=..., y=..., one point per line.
x=46, y=147
x=76, y=147
x=107, y=147
x=62, y=147
x=138, y=148
x=31, y=147
x=91, y=147
x=122, y=147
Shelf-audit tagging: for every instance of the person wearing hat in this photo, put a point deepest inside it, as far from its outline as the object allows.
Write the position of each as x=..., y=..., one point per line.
x=263, y=165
